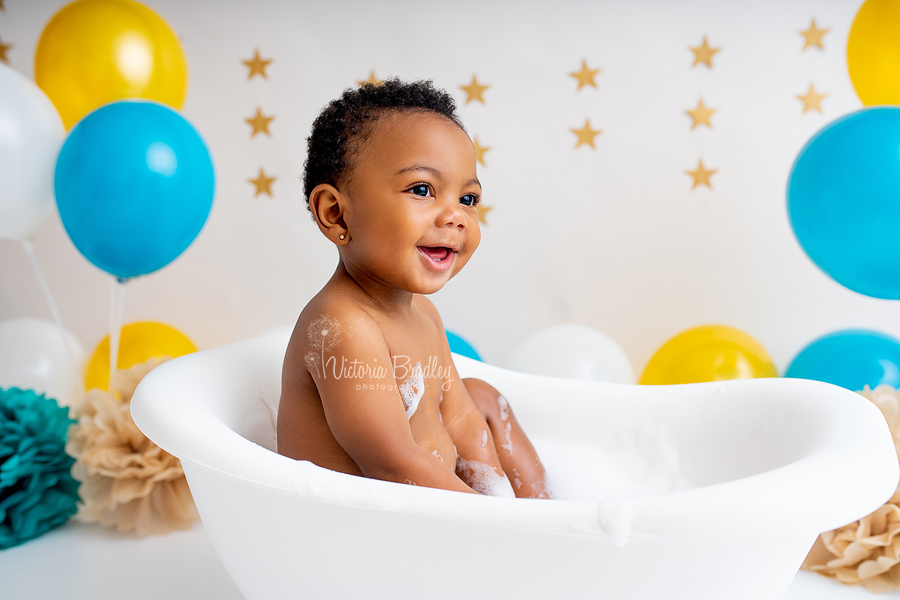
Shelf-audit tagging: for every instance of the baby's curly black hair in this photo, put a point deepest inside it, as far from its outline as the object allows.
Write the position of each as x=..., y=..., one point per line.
x=343, y=126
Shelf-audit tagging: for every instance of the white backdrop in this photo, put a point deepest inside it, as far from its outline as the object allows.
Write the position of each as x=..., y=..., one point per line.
x=613, y=237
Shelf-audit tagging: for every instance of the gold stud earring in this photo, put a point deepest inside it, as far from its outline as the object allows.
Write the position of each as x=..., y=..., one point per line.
x=342, y=236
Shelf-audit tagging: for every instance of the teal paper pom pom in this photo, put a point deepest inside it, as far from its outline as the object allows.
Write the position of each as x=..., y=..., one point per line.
x=37, y=491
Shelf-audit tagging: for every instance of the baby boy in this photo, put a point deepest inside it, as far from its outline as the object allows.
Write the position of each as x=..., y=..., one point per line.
x=368, y=384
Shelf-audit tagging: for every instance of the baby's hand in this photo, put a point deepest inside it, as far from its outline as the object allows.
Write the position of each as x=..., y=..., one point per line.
x=484, y=479
x=477, y=418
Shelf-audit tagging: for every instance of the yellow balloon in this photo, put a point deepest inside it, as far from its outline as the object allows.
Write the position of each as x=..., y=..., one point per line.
x=139, y=342
x=93, y=52
x=873, y=52
x=708, y=353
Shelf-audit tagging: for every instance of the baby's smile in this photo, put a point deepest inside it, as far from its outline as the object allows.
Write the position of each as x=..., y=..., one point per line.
x=439, y=258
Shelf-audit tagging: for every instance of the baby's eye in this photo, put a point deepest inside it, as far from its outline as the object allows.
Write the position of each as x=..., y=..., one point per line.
x=421, y=189
x=469, y=200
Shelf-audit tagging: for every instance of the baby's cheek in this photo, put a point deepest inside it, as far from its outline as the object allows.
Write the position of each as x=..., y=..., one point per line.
x=475, y=236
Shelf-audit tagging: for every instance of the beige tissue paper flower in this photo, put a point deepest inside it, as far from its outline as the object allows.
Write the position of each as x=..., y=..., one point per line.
x=867, y=551
x=127, y=481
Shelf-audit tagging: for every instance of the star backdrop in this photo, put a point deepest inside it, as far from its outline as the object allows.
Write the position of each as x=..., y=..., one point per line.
x=4, y=48
x=634, y=158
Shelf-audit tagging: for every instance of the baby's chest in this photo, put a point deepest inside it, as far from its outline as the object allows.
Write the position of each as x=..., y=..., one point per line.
x=417, y=362
x=420, y=381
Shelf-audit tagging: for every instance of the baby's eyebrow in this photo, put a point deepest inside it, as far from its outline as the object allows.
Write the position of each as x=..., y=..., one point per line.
x=431, y=170
x=434, y=172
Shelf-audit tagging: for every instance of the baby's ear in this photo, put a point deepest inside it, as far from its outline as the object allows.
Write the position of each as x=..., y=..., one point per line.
x=326, y=204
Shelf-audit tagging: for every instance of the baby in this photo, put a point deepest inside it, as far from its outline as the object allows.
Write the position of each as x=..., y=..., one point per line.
x=368, y=384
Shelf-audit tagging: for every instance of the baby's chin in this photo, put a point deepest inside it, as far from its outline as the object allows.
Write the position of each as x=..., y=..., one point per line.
x=423, y=282
x=428, y=288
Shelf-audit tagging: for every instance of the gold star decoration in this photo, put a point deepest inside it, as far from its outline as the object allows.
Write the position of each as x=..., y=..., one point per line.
x=480, y=151
x=813, y=35
x=812, y=99
x=586, y=135
x=1, y=5
x=701, y=175
x=259, y=123
x=474, y=91
x=263, y=184
x=585, y=76
x=482, y=212
x=257, y=65
x=372, y=79
x=703, y=54
x=701, y=114
x=4, y=48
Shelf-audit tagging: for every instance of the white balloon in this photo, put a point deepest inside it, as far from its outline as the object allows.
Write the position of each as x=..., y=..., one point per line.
x=572, y=352
x=34, y=357
x=31, y=135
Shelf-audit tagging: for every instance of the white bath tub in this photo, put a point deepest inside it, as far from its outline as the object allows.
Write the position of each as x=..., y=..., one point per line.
x=762, y=456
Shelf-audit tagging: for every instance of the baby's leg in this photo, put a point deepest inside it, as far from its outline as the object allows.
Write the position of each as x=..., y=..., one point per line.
x=517, y=456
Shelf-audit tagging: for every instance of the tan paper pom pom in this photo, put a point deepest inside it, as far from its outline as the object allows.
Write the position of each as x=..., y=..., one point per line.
x=866, y=552
x=128, y=482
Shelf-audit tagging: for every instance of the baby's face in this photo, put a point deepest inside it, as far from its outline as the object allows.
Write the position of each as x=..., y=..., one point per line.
x=412, y=195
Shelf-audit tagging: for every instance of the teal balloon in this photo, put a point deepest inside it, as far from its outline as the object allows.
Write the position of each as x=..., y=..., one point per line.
x=843, y=199
x=461, y=346
x=134, y=185
x=852, y=358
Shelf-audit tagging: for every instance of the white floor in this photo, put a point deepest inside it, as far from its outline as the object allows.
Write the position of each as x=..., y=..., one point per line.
x=88, y=562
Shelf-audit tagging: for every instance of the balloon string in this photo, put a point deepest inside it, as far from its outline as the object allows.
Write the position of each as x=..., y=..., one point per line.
x=32, y=257
x=116, y=312
x=29, y=250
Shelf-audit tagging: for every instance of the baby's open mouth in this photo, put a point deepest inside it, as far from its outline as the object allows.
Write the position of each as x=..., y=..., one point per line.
x=439, y=258
x=437, y=253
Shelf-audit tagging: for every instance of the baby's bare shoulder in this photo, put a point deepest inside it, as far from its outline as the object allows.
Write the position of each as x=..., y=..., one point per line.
x=320, y=327
x=327, y=331
x=334, y=316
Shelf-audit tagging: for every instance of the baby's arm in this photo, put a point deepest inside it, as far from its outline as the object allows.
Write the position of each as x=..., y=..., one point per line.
x=477, y=461
x=475, y=429
x=477, y=464
x=353, y=372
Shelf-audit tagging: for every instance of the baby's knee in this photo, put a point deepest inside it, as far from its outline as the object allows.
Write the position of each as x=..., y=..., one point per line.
x=484, y=395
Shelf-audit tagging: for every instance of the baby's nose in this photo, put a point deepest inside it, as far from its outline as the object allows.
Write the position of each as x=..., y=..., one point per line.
x=453, y=216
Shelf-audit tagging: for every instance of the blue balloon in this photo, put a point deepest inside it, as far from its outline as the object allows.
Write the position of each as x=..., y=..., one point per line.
x=461, y=346
x=134, y=185
x=852, y=358
x=843, y=198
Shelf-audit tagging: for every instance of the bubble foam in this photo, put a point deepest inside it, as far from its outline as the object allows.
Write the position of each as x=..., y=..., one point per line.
x=484, y=479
